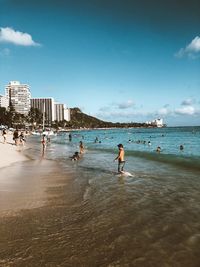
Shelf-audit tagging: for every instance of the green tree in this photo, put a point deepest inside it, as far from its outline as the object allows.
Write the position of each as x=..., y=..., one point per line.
x=3, y=116
x=35, y=116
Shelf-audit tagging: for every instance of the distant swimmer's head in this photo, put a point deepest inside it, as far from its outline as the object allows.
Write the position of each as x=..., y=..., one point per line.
x=120, y=145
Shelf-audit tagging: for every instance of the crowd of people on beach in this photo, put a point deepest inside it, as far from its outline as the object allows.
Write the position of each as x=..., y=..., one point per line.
x=17, y=136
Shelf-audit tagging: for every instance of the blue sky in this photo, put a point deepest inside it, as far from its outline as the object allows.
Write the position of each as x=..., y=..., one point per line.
x=117, y=60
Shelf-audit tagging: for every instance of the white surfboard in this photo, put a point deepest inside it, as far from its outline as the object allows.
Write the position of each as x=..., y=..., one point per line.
x=126, y=174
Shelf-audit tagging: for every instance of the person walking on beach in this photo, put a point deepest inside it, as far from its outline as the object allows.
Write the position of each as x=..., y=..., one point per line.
x=81, y=147
x=4, y=134
x=16, y=137
x=22, y=138
x=44, y=141
x=120, y=158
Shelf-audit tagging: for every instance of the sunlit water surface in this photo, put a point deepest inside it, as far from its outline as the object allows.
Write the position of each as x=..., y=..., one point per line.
x=93, y=217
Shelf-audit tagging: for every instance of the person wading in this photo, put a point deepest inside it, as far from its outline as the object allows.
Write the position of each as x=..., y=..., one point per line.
x=120, y=158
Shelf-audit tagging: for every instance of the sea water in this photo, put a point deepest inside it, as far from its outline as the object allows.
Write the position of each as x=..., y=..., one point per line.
x=96, y=218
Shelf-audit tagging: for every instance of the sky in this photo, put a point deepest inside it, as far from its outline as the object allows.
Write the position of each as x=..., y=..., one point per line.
x=117, y=60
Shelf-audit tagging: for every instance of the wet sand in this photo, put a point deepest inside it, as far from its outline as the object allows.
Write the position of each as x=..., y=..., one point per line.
x=23, y=186
x=24, y=180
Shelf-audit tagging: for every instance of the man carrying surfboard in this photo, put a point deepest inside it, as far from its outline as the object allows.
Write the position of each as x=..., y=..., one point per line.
x=120, y=158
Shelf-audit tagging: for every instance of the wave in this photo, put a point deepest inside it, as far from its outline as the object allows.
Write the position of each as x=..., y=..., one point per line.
x=177, y=160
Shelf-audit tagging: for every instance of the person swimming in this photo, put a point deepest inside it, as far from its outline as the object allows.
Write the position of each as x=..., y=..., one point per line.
x=181, y=147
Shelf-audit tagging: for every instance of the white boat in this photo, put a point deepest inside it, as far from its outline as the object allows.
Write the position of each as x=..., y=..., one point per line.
x=47, y=133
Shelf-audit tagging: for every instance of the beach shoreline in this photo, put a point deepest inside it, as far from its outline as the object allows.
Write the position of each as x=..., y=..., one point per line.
x=10, y=152
x=21, y=186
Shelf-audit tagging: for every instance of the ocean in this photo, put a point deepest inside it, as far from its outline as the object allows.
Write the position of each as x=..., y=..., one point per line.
x=94, y=217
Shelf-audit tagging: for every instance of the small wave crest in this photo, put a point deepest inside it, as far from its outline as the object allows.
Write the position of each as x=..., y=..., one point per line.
x=181, y=161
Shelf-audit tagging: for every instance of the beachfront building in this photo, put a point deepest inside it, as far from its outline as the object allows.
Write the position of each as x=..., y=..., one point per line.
x=59, y=112
x=46, y=106
x=4, y=101
x=52, y=110
x=19, y=96
x=67, y=116
x=156, y=123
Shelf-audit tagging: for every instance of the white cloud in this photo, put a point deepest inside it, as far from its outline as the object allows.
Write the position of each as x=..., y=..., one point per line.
x=187, y=110
x=194, y=46
x=104, y=109
x=164, y=111
x=9, y=35
x=188, y=102
x=192, y=50
x=125, y=105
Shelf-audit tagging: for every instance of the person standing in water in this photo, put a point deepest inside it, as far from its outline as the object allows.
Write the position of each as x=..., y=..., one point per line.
x=81, y=147
x=120, y=158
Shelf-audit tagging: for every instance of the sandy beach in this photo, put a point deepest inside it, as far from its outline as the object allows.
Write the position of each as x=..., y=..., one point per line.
x=22, y=183
x=10, y=153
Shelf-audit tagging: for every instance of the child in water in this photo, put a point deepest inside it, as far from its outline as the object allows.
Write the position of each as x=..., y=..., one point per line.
x=75, y=156
x=120, y=158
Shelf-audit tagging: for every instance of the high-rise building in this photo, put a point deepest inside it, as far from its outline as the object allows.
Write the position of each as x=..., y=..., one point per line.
x=59, y=111
x=67, y=116
x=19, y=96
x=4, y=101
x=46, y=106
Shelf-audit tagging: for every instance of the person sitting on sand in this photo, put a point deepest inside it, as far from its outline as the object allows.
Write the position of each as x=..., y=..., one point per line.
x=120, y=158
x=75, y=156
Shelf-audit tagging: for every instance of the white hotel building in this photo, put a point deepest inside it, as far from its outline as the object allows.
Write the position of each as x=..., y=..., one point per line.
x=46, y=106
x=4, y=101
x=19, y=96
x=53, y=111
